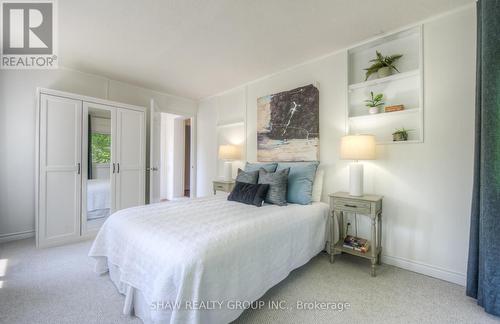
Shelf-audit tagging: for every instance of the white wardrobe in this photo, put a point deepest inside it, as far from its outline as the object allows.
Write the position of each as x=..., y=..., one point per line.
x=72, y=200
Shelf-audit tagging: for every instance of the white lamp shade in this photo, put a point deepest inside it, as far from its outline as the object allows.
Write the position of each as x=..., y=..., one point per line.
x=357, y=147
x=229, y=152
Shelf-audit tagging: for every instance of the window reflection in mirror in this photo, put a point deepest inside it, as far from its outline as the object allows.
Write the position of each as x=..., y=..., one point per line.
x=99, y=166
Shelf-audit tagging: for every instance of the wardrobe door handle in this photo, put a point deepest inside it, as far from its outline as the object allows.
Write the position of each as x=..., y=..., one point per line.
x=117, y=167
x=79, y=168
x=114, y=167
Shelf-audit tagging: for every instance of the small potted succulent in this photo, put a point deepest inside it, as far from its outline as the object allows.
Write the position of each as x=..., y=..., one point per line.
x=382, y=65
x=400, y=135
x=375, y=102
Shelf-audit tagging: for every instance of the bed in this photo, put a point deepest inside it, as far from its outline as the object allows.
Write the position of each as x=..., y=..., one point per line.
x=172, y=259
x=98, y=198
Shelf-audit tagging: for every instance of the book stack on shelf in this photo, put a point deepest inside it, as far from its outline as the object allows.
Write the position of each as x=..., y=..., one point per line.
x=356, y=243
x=394, y=108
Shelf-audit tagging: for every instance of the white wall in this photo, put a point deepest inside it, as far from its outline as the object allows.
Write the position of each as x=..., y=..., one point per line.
x=223, y=122
x=427, y=187
x=170, y=155
x=206, y=162
x=164, y=145
x=17, y=140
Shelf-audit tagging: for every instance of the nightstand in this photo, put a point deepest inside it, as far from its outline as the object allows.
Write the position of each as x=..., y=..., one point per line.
x=221, y=185
x=367, y=205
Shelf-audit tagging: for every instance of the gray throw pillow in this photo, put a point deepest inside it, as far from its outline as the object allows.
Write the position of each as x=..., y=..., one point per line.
x=277, y=182
x=247, y=176
x=269, y=167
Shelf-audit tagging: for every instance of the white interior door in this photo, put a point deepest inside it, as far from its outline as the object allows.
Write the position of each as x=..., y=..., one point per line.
x=154, y=154
x=130, y=158
x=60, y=170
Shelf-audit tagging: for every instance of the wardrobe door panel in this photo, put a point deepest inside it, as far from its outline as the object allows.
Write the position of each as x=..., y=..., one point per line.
x=59, y=192
x=131, y=154
x=61, y=205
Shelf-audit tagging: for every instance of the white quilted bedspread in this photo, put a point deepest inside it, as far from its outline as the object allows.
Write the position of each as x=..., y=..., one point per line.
x=207, y=250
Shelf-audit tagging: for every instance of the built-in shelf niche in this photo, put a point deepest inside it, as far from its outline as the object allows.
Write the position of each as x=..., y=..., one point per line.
x=404, y=88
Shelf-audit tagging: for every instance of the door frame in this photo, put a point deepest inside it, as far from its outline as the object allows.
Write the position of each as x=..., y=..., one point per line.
x=187, y=115
x=153, y=109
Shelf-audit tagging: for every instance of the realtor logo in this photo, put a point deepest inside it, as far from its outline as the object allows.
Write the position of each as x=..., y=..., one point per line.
x=28, y=30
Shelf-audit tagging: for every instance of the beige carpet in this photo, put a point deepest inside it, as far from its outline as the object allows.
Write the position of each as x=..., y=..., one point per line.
x=57, y=285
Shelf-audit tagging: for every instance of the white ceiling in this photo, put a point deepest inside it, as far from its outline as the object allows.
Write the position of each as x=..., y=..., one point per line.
x=196, y=48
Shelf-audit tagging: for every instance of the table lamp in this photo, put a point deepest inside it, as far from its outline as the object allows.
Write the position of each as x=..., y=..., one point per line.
x=229, y=153
x=357, y=147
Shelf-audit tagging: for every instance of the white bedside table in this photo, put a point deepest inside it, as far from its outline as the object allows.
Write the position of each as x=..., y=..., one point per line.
x=367, y=205
x=221, y=185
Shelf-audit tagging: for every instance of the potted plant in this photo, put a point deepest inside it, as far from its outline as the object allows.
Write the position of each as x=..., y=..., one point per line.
x=401, y=134
x=382, y=65
x=374, y=102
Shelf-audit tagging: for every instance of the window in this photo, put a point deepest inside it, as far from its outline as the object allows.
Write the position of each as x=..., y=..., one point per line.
x=101, y=148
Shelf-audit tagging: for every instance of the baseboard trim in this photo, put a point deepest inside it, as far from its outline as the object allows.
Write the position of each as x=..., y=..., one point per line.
x=426, y=269
x=16, y=236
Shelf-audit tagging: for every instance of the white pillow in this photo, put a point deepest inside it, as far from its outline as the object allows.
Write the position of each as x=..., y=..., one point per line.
x=317, y=189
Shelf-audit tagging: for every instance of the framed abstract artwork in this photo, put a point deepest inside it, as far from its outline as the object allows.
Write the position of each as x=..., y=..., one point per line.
x=288, y=125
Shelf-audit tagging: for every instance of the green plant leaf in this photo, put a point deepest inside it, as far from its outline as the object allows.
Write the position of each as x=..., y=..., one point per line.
x=375, y=100
x=392, y=66
x=372, y=69
x=381, y=61
x=395, y=57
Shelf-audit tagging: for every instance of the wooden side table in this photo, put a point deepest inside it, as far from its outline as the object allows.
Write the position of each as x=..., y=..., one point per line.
x=221, y=185
x=367, y=205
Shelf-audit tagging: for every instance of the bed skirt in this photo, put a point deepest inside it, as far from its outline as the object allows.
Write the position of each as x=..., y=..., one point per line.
x=135, y=303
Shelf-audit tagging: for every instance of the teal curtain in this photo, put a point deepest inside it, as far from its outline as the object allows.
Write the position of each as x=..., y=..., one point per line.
x=483, y=271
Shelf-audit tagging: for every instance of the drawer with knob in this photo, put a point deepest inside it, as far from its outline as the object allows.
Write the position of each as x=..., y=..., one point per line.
x=352, y=205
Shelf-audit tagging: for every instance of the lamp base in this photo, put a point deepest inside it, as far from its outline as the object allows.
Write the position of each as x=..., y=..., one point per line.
x=228, y=171
x=356, y=179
